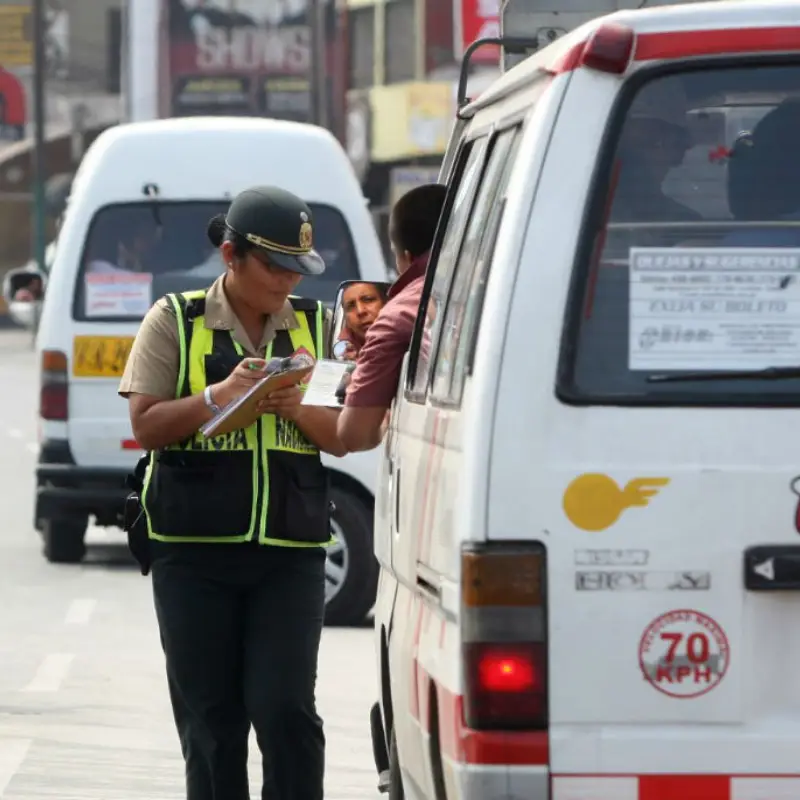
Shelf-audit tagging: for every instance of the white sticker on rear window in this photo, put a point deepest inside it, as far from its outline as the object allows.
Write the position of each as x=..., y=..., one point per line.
x=714, y=308
x=118, y=294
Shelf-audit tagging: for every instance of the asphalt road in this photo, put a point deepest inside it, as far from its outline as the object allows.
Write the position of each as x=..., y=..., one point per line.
x=84, y=711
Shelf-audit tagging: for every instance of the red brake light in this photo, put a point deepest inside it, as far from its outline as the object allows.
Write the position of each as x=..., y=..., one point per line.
x=506, y=672
x=609, y=49
x=505, y=686
x=53, y=396
x=504, y=635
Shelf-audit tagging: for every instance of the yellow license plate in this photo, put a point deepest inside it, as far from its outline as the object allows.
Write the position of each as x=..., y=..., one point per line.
x=100, y=356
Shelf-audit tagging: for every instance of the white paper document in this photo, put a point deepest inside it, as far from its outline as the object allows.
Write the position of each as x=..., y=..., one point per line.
x=704, y=308
x=325, y=380
x=119, y=295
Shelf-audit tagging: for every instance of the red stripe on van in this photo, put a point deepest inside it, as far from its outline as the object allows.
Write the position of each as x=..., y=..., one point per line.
x=131, y=444
x=415, y=668
x=674, y=787
x=683, y=787
x=685, y=44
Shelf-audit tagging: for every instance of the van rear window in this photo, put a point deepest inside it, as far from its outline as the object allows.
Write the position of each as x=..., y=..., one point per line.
x=688, y=283
x=136, y=253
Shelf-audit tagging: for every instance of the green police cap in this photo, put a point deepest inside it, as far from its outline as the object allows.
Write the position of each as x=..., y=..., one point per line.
x=279, y=223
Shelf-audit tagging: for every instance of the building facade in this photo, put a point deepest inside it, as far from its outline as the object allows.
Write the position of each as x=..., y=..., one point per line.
x=404, y=59
x=84, y=57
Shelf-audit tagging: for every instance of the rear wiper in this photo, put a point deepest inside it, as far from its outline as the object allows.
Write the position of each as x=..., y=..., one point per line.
x=766, y=374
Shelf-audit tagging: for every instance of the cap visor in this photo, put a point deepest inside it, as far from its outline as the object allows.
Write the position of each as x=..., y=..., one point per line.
x=309, y=264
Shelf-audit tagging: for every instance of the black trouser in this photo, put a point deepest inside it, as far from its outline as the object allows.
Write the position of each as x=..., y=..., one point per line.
x=241, y=635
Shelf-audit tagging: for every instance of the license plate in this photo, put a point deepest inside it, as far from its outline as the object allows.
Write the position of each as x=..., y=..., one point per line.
x=100, y=356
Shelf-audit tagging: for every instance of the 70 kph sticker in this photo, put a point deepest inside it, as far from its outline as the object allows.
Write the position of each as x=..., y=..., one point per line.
x=684, y=653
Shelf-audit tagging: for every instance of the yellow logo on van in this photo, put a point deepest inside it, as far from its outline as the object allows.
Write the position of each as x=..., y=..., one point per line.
x=594, y=502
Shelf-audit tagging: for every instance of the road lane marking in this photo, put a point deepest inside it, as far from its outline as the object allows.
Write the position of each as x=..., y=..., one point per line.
x=80, y=611
x=51, y=673
x=15, y=433
x=32, y=447
x=12, y=753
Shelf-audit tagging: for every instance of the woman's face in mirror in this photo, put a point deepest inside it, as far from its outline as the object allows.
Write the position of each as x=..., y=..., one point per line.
x=361, y=303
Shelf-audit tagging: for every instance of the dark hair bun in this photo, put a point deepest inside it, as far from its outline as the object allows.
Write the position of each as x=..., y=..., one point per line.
x=216, y=229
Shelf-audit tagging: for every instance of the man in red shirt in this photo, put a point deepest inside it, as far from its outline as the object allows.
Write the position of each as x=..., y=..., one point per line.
x=373, y=384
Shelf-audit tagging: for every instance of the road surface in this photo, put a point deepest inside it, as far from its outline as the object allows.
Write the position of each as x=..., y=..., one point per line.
x=84, y=711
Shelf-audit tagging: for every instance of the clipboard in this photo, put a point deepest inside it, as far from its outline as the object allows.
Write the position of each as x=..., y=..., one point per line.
x=241, y=412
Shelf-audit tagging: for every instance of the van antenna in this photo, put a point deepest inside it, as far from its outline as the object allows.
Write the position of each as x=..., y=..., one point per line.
x=151, y=190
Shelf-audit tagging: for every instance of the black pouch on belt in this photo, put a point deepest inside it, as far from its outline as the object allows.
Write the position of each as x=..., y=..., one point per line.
x=134, y=520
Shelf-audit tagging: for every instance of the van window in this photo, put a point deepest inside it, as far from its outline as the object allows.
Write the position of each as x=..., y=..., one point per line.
x=691, y=258
x=136, y=253
x=464, y=305
x=472, y=161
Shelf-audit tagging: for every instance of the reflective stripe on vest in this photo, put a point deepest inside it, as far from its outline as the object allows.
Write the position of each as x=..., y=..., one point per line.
x=239, y=468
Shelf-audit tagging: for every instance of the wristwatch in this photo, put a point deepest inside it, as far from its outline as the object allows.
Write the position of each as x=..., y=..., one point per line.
x=210, y=400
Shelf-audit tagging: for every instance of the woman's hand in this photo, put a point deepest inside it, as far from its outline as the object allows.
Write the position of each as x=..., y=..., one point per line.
x=282, y=402
x=248, y=372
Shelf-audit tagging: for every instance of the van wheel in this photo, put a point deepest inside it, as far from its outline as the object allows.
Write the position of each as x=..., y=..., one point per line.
x=351, y=570
x=396, y=791
x=63, y=540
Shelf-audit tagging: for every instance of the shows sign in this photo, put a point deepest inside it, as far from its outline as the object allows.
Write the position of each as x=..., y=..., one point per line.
x=240, y=61
x=12, y=108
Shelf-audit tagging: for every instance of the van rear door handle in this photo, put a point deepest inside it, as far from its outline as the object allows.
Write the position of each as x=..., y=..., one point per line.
x=772, y=568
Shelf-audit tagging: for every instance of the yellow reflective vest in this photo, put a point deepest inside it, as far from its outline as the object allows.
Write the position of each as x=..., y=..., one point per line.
x=263, y=484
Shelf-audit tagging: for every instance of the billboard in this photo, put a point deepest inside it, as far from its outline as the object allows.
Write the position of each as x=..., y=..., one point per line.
x=239, y=57
x=477, y=19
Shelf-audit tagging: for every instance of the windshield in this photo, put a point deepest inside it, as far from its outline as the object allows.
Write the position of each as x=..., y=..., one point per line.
x=694, y=264
x=136, y=253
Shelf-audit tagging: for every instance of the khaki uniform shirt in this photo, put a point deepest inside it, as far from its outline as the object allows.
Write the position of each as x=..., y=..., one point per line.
x=154, y=361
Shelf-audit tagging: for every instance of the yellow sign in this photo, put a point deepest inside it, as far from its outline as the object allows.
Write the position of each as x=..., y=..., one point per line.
x=100, y=356
x=16, y=36
x=594, y=502
x=430, y=116
x=410, y=119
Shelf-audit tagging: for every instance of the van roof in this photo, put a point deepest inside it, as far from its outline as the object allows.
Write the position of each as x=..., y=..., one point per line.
x=205, y=126
x=714, y=15
x=214, y=157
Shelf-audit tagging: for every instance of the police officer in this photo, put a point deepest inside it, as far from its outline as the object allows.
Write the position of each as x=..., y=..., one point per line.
x=236, y=525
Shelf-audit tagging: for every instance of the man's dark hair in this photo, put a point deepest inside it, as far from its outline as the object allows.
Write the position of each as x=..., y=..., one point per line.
x=414, y=218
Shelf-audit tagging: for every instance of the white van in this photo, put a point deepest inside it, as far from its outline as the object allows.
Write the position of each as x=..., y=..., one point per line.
x=588, y=495
x=174, y=175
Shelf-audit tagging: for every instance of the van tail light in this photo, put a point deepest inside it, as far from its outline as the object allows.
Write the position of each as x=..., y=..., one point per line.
x=609, y=49
x=504, y=636
x=53, y=402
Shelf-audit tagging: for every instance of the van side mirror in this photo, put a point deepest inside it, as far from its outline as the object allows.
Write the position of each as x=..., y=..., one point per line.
x=23, y=291
x=24, y=285
x=357, y=305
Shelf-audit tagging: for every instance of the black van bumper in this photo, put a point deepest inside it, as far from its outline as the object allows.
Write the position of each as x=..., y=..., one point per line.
x=63, y=489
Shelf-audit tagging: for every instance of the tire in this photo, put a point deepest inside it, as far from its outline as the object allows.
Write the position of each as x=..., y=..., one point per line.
x=396, y=791
x=351, y=568
x=63, y=539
